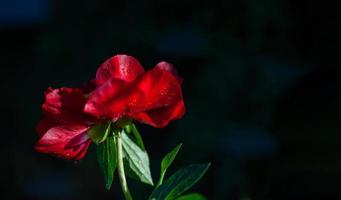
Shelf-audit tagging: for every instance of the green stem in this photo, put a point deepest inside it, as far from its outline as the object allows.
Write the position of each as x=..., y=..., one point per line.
x=120, y=166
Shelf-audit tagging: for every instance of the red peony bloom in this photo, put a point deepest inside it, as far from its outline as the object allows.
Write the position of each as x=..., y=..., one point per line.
x=64, y=126
x=123, y=89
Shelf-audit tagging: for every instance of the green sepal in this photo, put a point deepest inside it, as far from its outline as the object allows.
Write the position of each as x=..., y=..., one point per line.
x=106, y=156
x=100, y=132
x=179, y=182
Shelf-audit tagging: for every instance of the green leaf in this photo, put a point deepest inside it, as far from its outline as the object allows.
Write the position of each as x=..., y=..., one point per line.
x=179, y=182
x=138, y=160
x=167, y=161
x=100, y=132
x=192, y=196
x=106, y=156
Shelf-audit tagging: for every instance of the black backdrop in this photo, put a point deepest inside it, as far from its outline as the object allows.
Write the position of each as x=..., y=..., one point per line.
x=261, y=85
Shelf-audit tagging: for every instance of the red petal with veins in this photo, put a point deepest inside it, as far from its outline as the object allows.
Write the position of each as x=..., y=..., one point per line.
x=114, y=99
x=123, y=67
x=68, y=142
x=160, y=87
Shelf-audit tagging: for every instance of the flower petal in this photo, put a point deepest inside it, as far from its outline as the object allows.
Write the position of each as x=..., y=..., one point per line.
x=45, y=124
x=63, y=99
x=114, y=99
x=123, y=67
x=154, y=89
x=161, y=117
x=65, y=105
x=160, y=87
x=167, y=67
x=68, y=142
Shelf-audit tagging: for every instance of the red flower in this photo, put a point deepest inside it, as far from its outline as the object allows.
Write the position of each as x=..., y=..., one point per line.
x=123, y=89
x=63, y=128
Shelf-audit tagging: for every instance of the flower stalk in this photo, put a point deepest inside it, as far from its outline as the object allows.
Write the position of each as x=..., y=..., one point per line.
x=120, y=167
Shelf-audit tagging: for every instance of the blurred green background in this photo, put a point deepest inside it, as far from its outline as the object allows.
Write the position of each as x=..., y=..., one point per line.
x=261, y=87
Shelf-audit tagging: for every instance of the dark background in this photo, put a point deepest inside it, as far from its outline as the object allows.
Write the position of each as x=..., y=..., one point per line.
x=261, y=87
